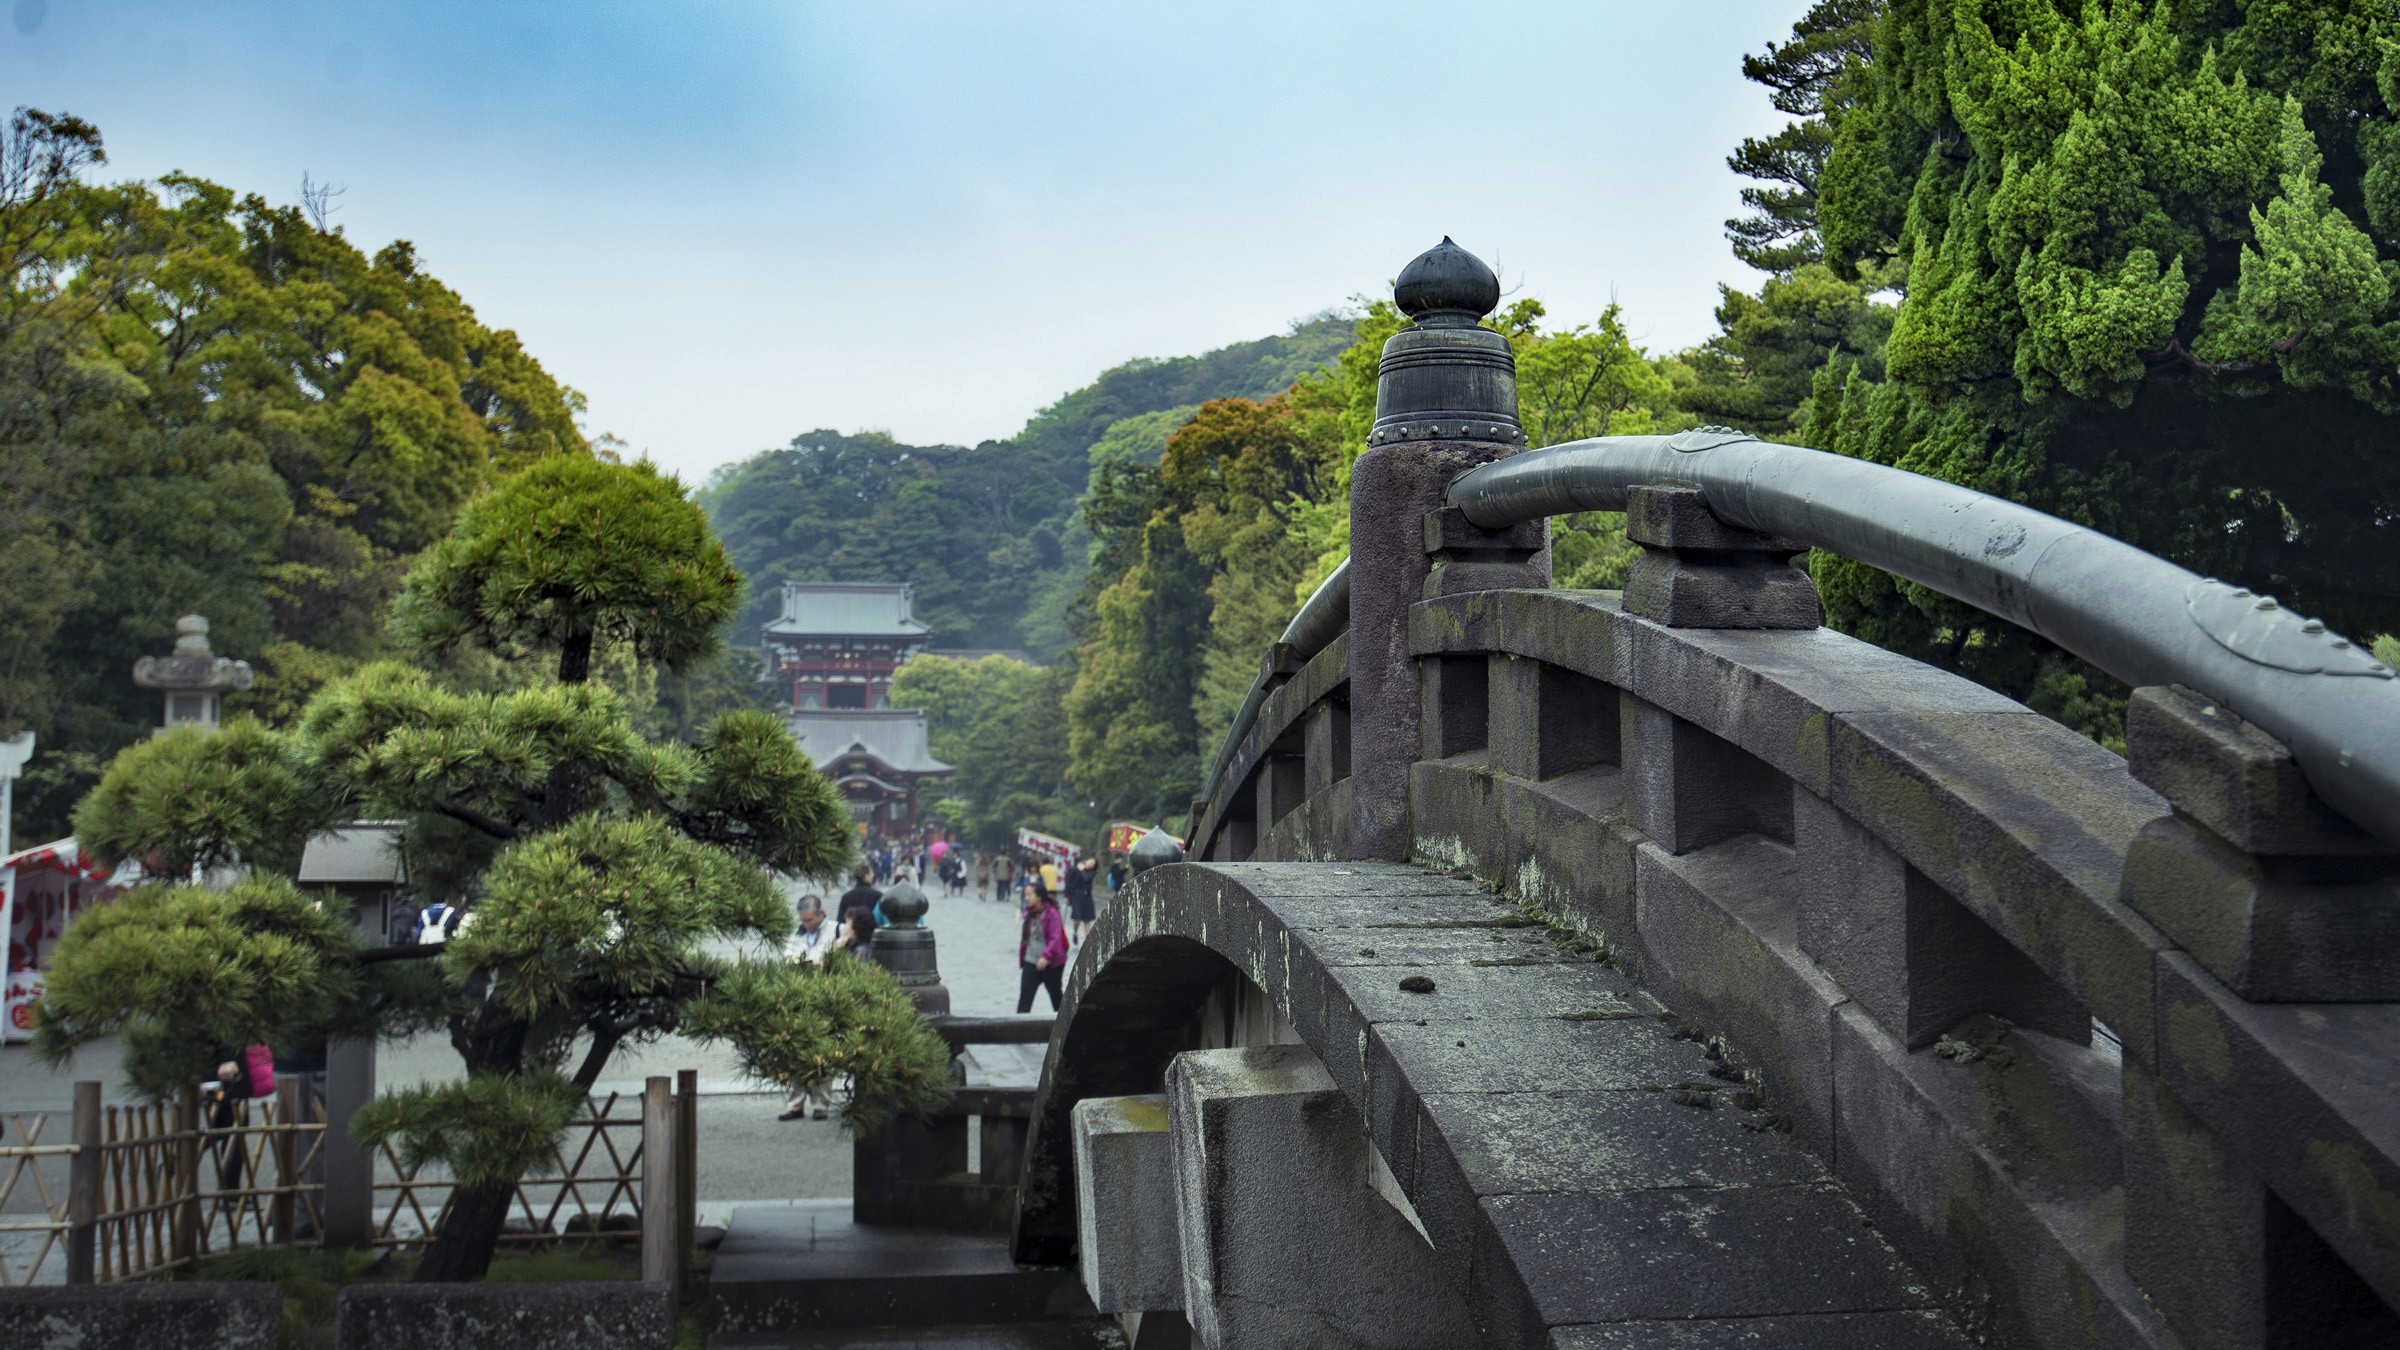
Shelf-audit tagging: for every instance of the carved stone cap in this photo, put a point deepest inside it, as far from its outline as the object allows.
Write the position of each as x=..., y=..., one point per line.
x=1445, y=378
x=2233, y=778
x=1155, y=849
x=192, y=667
x=904, y=905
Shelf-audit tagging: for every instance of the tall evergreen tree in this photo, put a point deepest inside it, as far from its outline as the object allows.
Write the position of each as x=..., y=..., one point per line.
x=2149, y=253
x=1806, y=78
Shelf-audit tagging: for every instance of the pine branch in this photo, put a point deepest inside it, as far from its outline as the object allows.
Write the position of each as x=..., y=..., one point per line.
x=413, y=951
x=469, y=816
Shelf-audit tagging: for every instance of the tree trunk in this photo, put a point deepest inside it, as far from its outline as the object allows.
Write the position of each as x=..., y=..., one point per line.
x=604, y=1044
x=463, y=1243
x=470, y=1232
x=575, y=659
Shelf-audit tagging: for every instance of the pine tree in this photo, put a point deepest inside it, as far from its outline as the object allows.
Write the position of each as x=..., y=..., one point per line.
x=595, y=862
x=1806, y=78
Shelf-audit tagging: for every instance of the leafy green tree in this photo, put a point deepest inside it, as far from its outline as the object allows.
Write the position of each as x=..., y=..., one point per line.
x=595, y=863
x=2147, y=287
x=576, y=552
x=1761, y=370
x=1003, y=724
x=212, y=403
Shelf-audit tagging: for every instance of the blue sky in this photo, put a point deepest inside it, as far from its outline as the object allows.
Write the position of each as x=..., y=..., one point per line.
x=730, y=221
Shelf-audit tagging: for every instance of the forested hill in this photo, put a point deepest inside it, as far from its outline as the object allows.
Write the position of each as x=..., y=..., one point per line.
x=988, y=535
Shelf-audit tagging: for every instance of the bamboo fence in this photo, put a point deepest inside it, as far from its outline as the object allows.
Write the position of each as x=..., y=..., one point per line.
x=116, y=1192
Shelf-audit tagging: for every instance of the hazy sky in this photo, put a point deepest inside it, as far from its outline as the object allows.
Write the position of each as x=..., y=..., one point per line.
x=730, y=221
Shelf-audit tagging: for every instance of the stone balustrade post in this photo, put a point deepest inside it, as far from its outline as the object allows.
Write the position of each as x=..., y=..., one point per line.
x=1685, y=788
x=1445, y=402
x=1698, y=572
x=2282, y=900
x=1129, y=1252
x=1325, y=758
x=2277, y=895
x=1283, y=1237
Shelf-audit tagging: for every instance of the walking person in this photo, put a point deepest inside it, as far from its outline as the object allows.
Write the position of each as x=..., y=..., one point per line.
x=814, y=938
x=1003, y=872
x=1082, y=906
x=983, y=874
x=1041, y=948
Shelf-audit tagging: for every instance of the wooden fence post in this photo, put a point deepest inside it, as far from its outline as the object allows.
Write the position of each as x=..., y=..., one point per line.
x=687, y=1174
x=83, y=1186
x=348, y=1209
x=658, y=1181
x=283, y=1143
x=186, y=1215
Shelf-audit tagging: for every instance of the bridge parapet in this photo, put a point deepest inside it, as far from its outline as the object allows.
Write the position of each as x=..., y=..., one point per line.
x=2109, y=1047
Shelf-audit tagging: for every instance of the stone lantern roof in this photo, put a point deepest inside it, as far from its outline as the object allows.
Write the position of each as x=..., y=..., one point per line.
x=194, y=678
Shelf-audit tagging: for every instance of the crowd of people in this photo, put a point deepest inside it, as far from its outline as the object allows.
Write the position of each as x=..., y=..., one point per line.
x=1057, y=904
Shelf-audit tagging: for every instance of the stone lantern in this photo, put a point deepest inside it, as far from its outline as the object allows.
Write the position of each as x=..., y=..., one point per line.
x=904, y=946
x=194, y=679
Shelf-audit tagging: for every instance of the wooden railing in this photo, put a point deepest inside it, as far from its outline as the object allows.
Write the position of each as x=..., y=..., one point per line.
x=104, y=1192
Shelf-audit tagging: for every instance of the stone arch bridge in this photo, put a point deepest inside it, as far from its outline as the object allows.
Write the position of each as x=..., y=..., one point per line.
x=1661, y=968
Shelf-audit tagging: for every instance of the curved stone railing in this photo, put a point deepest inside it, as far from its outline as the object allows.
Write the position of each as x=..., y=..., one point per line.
x=2108, y=1046
x=1906, y=900
x=2136, y=616
x=1321, y=620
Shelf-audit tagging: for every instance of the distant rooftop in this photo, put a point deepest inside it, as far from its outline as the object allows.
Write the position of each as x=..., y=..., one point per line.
x=894, y=737
x=847, y=609
x=366, y=851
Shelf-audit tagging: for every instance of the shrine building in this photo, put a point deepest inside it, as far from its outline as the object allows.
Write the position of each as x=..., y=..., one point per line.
x=838, y=642
x=833, y=653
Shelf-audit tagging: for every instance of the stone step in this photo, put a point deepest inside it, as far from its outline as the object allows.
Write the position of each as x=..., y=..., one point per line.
x=788, y=1271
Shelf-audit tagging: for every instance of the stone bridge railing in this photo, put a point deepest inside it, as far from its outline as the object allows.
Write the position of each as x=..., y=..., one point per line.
x=2108, y=1048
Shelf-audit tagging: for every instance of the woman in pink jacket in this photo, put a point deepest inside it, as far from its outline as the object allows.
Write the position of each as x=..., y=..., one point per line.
x=1041, y=948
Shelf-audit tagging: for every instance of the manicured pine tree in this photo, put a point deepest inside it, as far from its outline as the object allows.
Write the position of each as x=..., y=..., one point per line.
x=595, y=863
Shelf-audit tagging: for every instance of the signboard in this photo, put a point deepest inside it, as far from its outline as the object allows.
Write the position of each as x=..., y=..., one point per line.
x=16, y=1004
x=46, y=888
x=1123, y=834
x=1048, y=845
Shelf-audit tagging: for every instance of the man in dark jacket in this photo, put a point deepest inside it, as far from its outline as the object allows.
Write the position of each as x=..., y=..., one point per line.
x=858, y=905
